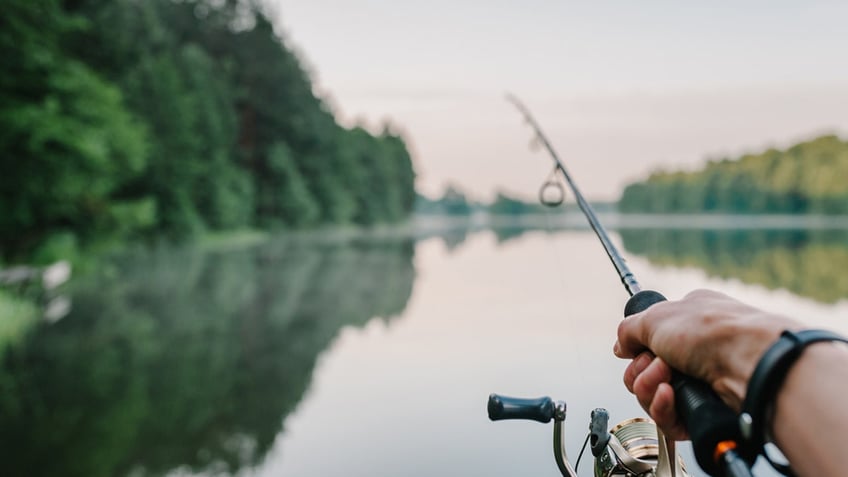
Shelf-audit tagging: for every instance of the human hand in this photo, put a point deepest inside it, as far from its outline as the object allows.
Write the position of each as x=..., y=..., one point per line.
x=706, y=335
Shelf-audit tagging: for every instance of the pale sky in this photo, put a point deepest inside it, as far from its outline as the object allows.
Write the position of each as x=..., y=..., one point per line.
x=621, y=87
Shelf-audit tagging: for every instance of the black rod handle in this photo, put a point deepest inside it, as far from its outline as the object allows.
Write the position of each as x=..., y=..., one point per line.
x=504, y=407
x=707, y=418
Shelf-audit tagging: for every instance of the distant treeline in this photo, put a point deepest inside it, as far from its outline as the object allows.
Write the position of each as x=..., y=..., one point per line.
x=809, y=177
x=123, y=117
x=455, y=202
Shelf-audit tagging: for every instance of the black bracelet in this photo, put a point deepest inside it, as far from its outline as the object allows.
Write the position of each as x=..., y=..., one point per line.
x=768, y=376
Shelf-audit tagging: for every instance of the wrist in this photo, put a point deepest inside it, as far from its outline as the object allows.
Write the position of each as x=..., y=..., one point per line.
x=783, y=359
x=819, y=371
x=751, y=338
x=806, y=408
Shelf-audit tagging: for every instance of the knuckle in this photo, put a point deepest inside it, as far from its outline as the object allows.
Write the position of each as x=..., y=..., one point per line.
x=699, y=293
x=641, y=387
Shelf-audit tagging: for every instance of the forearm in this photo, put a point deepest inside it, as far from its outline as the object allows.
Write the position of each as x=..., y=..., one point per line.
x=810, y=422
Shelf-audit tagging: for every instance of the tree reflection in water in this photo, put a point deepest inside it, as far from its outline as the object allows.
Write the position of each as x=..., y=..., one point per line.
x=809, y=263
x=185, y=359
x=191, y=360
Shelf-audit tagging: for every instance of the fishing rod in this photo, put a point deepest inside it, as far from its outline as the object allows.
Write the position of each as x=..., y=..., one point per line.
x=712, y=425
x=627, y=277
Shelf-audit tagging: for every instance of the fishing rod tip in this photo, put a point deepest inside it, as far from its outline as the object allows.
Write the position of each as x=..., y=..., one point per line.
x=513, y=98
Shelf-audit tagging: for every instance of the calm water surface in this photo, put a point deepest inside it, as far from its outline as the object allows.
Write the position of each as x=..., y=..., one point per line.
x=365, y=357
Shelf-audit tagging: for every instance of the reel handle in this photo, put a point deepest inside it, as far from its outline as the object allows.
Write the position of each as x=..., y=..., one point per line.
x=503, y=407
x=707, y=418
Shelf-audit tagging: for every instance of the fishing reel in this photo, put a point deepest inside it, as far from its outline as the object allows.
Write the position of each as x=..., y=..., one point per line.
x=629, y=449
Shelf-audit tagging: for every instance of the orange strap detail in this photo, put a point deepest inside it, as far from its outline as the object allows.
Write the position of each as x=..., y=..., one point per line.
x=723, y=447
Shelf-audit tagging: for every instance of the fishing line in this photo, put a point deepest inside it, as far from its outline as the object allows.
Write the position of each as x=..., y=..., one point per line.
x=580, y=360
x=554, y=183
x=582, y=449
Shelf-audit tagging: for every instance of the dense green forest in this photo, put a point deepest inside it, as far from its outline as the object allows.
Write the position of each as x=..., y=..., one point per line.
x=809, y=177
x=124, y=118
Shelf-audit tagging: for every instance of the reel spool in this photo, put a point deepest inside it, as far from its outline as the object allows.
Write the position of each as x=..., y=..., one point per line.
x=638, y=436
x=633, y=451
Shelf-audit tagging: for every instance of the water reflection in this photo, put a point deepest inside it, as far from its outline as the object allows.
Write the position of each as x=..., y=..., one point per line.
x=188, y=362
x=184, y=359
x=809, y=263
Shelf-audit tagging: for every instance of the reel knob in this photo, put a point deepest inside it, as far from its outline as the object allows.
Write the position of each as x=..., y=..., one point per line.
x=503, y=407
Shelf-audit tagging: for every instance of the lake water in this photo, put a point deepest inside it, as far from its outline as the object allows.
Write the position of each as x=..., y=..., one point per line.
x=366, y=356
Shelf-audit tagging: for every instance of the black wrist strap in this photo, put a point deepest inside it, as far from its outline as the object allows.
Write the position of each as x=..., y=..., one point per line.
x=767, y=379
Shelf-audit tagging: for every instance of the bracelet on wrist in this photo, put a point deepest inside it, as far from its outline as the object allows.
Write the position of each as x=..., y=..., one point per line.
x=767, y=379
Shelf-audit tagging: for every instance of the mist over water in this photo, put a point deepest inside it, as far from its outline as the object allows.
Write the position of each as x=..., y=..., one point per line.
x=365, y=356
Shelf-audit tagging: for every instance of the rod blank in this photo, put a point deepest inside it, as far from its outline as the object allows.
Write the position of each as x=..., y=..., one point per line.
x=627, y=277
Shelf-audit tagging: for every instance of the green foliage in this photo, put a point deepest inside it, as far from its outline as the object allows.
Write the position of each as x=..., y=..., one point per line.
x=56, y=246
x=377, y=170
x=123, y=117
x=455, y=202
x=288, y=200
x=17, y=316
x=505, y=204
x=452, y=202
x=806, y=178
x=69, y=144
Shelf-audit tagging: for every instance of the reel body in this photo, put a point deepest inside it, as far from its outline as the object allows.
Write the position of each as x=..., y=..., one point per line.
x=630, y=449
